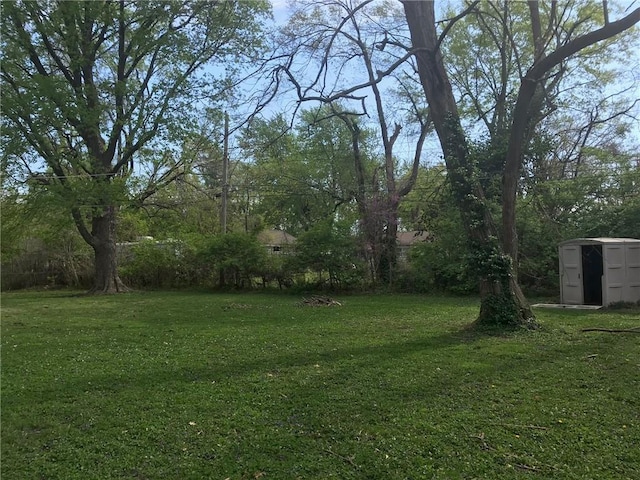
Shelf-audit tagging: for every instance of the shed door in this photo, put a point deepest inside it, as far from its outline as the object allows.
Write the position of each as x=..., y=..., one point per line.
x=632, y=259
x=615, y=273
x=571, y=274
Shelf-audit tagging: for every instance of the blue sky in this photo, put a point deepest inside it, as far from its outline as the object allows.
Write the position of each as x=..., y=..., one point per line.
x=432, y=151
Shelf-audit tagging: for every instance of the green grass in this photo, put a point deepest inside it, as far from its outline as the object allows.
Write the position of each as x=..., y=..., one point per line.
x=209, y=386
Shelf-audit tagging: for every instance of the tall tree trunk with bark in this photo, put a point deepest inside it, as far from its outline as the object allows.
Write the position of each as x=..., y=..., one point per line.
x=106, y=279
x=379, y=211
x=389, y=250
x=86, y=86
x=102, y=239
x=502, y=301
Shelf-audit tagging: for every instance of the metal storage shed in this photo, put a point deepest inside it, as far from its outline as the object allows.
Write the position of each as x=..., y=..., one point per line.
x=599, y=271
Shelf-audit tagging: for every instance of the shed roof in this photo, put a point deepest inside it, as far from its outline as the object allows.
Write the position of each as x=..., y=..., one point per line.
x=599, y=240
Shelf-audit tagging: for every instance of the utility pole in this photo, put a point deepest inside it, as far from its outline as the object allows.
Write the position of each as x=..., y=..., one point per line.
x=225, y=175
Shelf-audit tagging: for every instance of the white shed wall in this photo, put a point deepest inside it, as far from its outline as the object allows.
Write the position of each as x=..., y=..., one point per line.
x=620, y=279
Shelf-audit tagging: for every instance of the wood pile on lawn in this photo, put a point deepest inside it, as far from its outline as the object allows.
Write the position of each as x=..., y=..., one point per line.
x=318, y=301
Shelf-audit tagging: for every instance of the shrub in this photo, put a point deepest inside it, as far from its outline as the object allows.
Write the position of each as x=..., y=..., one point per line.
x=441, y=266
x=150, y=264
x=34, y=263
x=238, y=257
x=279, y=269
x=330, y=252
x=164, y=264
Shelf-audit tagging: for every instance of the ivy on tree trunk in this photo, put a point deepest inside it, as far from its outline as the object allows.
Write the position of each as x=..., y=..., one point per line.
x=502, y=301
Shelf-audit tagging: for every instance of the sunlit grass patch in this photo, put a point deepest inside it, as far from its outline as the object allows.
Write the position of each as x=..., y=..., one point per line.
x=193, y=385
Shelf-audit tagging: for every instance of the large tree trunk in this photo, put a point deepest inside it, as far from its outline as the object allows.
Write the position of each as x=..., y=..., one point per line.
x=369, y=208
x=502, y=301
x=388, y=242
x=103, y=233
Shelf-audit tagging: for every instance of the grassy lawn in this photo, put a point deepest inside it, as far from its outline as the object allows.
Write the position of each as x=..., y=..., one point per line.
x=210, y=386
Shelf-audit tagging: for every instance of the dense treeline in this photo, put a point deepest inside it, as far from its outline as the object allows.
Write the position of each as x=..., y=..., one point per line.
x=185, y=248
x=125, y=131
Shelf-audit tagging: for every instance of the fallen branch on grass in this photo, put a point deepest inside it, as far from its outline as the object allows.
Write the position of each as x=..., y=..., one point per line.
x=349, y=460
x=511, y=425
x=612, y=330
x=528, y=468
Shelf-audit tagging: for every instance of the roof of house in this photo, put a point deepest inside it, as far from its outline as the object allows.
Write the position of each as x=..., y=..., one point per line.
x=412, y=237
x=275, y=237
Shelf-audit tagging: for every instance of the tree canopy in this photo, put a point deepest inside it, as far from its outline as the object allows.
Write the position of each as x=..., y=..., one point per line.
x=88, y=85
x=498, y=128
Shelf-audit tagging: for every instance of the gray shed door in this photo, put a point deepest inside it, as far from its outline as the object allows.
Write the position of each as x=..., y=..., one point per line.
x=571, y=274
x=633, y=273
x=615, y=273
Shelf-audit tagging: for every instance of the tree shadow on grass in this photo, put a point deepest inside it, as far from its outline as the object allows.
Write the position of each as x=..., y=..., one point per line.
x=208, y=366
x=212, y=364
